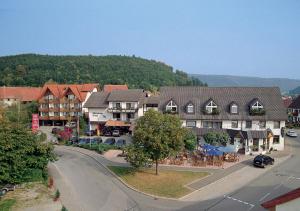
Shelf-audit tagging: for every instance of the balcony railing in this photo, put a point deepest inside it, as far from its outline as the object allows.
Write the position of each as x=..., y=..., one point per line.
x=46, y=109
x=43, y=117
x=125, y=110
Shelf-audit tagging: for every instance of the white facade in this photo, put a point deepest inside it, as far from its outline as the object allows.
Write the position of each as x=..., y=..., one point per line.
x=98, y=115
x=276, y=141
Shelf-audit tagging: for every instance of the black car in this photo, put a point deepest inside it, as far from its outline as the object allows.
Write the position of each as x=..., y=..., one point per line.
x=110, y=141
x=107, y=133
x=262, y=161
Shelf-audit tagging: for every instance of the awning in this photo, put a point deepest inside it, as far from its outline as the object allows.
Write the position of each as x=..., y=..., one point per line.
x=115, y=123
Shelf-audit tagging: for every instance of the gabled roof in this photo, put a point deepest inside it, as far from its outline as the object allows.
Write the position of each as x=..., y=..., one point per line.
x=130, y=95
x=97, y=100
x=20, y=93
x=270, y=97
x=60, y=90
x=295, y=103
x=111, y=87
x=294, y=194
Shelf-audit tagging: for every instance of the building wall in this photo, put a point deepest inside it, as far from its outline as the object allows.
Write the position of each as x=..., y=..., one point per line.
x=289, y=206
x=84, y=110
x=99, y=115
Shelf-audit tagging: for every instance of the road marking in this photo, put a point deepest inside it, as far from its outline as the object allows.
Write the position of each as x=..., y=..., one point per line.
x=265, y=196
x=278, y=186
x=240, y=201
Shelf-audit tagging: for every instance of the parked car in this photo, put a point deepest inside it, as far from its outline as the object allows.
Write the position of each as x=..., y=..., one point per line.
x=107, y=133
x=116, y=133
x=8, y=187
x=90, y=132
x=82, y=141
x=263, y=160
x=110, y=141
x=121, y=143
x=95, y=140
x=291, y=133
x=55, y=130
x=70, y=124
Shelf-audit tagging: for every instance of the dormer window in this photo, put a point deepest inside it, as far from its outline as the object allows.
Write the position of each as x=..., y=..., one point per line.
x=171, y=106
x=257, y=108
x=234, y=108
x=211, y=107
x=190, y=108
x=257, y=105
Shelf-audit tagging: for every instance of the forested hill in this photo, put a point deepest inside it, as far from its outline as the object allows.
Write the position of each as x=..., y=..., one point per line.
x=35, y=70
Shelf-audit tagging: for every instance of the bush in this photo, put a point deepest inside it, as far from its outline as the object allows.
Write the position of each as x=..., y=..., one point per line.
x=64, y=208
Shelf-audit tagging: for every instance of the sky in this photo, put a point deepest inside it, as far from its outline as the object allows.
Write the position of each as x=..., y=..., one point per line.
x=229, y=37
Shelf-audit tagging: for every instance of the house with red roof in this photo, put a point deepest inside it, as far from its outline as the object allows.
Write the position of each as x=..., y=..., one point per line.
x=13, y=95
x=111, y=87
x=287, y=202
x=59, y=103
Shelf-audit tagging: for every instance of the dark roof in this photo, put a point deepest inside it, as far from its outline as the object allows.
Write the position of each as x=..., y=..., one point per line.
x=130, y=95
x=152, y=100
x=97, y=100
x=270, y=97
x=295, y=103
x=282, y=199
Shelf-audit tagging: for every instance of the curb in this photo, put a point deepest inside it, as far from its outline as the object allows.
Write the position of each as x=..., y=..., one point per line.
x=121, y=180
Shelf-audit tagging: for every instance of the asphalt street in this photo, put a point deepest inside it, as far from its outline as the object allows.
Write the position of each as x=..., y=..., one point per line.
x=86, y=185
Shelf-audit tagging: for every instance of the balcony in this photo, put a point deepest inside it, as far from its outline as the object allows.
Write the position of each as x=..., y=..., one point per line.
x=124, y=110
x=43, y=117
x=54, y=118
x=75, y=109
x=53, y=109
x=46, y=109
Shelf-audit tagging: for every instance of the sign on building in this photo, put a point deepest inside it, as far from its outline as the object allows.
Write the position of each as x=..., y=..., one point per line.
x=35, y=122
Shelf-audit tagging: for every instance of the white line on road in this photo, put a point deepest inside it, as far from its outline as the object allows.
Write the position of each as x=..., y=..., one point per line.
x=240, y=201
x=265, y=196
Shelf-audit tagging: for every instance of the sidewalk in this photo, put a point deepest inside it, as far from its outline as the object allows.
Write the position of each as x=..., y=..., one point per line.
x=227, y=184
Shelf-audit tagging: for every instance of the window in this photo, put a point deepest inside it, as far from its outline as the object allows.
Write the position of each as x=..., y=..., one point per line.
x=234, y=124
x=211, y=124
x=276, y=124
x=56, y=114
x=234, y=109
x=257, y=106
x=262, y=124
x=190, y=108
x=71, y=97
x=211, y=106
x=190, y=123
x=248, y=124
x=276, y=140
x=171, y=106
x=118, y=105
x=128, y=105
x=56, y=105
x=50, y=97
x=130, y=115
x=116, y=115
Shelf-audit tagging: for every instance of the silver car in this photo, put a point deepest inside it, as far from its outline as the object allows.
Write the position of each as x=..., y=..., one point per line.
x=291, y=133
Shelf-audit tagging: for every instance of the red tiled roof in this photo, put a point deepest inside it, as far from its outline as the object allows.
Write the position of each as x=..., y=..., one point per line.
x=282, y=199
x=287, y=101
x=21, y=93
x=111, y=87
x=114, y=123
x=59, y=90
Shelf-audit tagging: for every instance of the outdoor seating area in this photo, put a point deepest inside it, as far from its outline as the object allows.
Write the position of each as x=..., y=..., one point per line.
x=206, y=156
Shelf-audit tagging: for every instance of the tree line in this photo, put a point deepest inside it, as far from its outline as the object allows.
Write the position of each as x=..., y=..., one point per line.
x=35, y=70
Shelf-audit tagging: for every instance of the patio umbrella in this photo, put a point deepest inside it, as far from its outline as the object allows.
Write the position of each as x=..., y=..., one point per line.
x=208, y=147
x=214, y=152
x=227, y=149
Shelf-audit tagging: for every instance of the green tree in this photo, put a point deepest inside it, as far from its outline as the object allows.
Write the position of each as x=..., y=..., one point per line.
x=82, y=125
x=190, y=140
x=156, y=137
x=22, y=154
x=216, y=138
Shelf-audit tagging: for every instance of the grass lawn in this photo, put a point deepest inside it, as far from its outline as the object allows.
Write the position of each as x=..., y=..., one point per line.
x=168, y=183
x=7, y=204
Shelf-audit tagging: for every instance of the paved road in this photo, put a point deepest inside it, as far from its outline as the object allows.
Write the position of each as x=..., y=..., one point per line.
x=92, y=187
x=273, y=183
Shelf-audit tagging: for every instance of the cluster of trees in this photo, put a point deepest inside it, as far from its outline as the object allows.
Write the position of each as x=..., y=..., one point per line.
x=216, y=138
x=156, y=137
x=35, y=70
x=23, y=155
